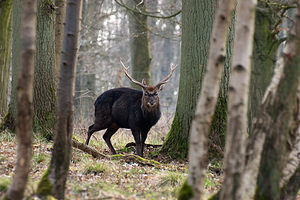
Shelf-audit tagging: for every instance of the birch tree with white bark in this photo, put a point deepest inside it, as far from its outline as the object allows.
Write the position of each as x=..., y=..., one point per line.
x=237, y=123
x=208, y=98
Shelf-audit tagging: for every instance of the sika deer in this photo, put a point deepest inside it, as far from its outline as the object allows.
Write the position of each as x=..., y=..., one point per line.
x=128, y=108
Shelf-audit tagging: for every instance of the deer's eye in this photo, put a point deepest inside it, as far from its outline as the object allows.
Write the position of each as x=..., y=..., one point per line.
x=155, y=93
x=146, y=94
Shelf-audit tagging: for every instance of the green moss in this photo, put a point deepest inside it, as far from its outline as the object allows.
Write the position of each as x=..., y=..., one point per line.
x=44, y=124
x=215, y=196
x=218, y=124
x=185, y=192
x=174, y=145
x=44, y=186
x=95, y=168
x=8, y=122
x=4, y=183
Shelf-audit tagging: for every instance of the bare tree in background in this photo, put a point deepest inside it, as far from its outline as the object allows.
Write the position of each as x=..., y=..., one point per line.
x=24, y=101
x=5, y=51
x=10, y=117
x=139, y=42
x=208, y=98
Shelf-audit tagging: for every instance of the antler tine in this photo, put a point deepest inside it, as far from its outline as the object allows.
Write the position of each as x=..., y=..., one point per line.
x=125, y=69
x=165, y=80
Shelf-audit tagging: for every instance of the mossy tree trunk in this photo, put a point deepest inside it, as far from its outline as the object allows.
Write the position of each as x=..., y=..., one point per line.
x=280, y=107
x=198, y=151
x=24, y=102
x=10, y=117
x=264, y=56
x=139, y=43
x=197, y=21
x=5, y=47
x=44, y=98
x=61, y=156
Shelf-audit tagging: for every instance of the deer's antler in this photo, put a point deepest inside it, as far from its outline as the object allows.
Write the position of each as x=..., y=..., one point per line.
x=125, y=69
x=165, y=80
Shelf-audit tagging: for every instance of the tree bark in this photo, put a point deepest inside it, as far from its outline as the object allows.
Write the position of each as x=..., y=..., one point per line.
x=5, y=52
x=265, y=48
x=10, y=117
x=291, y=189
x=60, y=160
x=139, y=43
x=44, y=98
x=197, y=21
x=235, y=147
x=24, y=101
x=281, y=102
x=59, y=20
x=208, y=98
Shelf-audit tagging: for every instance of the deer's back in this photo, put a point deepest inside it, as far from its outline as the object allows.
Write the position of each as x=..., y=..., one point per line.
x=123, y=107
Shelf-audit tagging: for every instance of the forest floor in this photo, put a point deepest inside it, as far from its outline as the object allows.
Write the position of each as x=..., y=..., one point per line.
x=91, y=178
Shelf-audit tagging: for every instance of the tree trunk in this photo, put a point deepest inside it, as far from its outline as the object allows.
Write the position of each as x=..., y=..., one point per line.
x=60, y=160
x=24, y=102
x=86, y=75
x=281, y=101
x=208, y=98
x=265, y=48
x=235, y=147
x=291, y=189
x=5, y=47
x=10, y=117
x=197, y=21
x=139, y=43
x=59, y=22
x=44, y=98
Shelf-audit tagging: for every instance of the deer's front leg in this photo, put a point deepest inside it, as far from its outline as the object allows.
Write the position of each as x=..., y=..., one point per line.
x=138, y=141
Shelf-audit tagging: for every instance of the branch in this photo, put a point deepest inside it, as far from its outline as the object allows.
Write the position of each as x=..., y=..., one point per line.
x=146, y=13
x=87, y=149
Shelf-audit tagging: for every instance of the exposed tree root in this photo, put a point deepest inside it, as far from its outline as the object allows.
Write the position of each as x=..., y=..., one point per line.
x=126, y=158
x=87, y=149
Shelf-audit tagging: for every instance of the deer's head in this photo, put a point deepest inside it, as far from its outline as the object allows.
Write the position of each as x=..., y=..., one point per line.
x=150, y=99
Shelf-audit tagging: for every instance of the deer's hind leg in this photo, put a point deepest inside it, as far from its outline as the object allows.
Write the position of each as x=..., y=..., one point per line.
x=107, y=135
x=97, y=126
x=102, y=121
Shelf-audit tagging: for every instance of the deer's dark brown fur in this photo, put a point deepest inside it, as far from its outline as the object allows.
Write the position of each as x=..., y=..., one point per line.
x=128, y=108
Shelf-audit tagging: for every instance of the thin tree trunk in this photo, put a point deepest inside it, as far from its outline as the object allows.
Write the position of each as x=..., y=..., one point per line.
x=24, y=101
x=281, y=101
x=234, y=159
x=5, y=52
x=59, y=20
x=60, y=160
x=208, y=98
